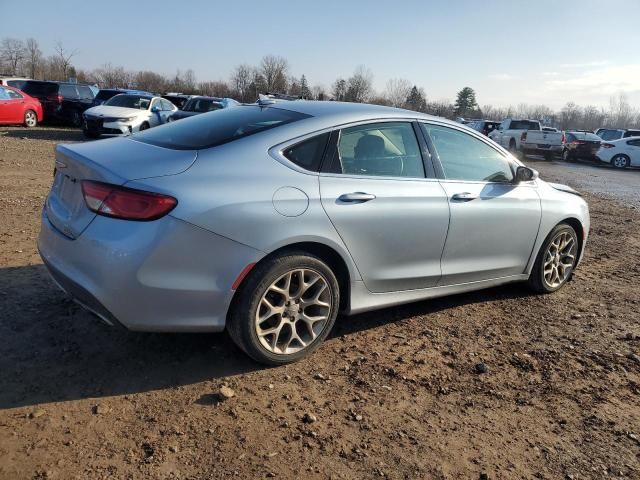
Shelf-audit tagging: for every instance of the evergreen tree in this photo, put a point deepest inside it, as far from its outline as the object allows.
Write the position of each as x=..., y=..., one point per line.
x=466, y=102
x=416, y=100
x=305, y=91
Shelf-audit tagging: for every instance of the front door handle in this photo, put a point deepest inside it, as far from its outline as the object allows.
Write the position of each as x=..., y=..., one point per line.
x=356, y=197
x=463, y=197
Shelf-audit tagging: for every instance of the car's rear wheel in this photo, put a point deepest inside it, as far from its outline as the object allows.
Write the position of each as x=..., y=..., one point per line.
x=567, y=156
x=76, y=118
x=556, y=260
x=30, y=119
x=620, y=161
x=285, y=308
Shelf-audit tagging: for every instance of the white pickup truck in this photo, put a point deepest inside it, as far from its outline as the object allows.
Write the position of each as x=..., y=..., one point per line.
x=527, y=136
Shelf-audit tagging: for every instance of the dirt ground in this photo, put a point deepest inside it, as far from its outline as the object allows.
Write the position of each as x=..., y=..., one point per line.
x=394, y=394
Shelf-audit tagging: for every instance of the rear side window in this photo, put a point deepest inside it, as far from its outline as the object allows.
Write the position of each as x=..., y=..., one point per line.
x=632, y=133
x=216, y=128
x=68, y=91
x=40, y=88
x=85, y=92
x=308, y=154
x=464, y=157
x=13, y=95
x=524, y=125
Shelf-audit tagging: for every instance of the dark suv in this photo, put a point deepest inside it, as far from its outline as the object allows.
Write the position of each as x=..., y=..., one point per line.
x=61, y=101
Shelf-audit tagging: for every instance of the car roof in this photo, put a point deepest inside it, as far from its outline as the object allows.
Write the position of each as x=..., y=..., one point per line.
x=339, y=112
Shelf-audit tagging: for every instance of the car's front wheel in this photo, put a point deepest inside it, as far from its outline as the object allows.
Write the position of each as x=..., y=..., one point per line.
x=556, y=260
x=285, y=308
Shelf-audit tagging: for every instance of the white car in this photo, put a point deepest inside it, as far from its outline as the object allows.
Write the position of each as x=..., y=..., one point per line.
x=125, y=114
x=621, y=153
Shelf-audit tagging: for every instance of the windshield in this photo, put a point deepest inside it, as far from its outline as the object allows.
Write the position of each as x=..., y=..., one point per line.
x=202, y=105
x=208, y=130
x=106, y=94
x=610, y=134
x=129, y=101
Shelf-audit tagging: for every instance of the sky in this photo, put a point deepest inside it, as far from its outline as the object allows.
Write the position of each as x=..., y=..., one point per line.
x=511, y=52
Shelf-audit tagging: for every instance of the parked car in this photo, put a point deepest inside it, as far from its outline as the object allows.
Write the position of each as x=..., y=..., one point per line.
x=623, y=153
x=268, y=220
x=484, y=126
x=61, y=101
x=19, y=108
x=106, y=93
x=609, y=134
x=510, y=132
x=124, y=114
x=16, y=82
x=583, y=145
x=197, y=105
x=178, y=99
x=542, y=142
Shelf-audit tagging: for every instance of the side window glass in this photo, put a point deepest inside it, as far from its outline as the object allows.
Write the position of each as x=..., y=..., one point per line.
x=85, y=93
x=68, y=91
x=464, y=157
x=308, y=154
x=3, y=94
x=167, y=105
x=13, y=94
x=380, y=149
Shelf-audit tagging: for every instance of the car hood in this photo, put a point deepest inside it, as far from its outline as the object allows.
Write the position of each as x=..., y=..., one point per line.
x=564, y=188
x=108, y=111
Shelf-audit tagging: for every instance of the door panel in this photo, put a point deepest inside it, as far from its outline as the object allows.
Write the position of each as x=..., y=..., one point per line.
x=492, y=230
x=396, y=239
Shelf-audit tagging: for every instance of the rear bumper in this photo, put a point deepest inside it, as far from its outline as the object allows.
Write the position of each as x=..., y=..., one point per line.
x=165, y=275
x=534, y=147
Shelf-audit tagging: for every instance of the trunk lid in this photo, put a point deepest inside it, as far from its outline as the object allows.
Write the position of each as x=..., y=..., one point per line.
x=115, y=161
x=541, y=137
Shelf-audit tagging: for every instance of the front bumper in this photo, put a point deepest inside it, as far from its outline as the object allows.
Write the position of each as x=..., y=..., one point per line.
x=165, y=275
x=96, y=127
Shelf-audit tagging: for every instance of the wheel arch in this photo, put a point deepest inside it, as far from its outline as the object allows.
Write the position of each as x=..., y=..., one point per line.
x=329, y=255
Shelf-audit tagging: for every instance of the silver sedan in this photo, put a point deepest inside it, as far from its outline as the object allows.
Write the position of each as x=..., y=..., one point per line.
x=270, y=219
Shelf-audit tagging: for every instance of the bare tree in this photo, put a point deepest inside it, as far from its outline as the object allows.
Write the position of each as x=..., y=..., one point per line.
x=241, y=80
x=150, y=81
x=397, y=91
x=63, y=59
x=115, y=77
x=360, y=85
x=189, y=81
x=33, y=57
x=620, y=112
x=274, y=69
x=217, y=88
x=318, y=92
x=569, y=116
x=12, y=52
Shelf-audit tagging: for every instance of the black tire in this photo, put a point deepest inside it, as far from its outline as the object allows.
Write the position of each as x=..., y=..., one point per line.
x=567, y=156
x=144, y=126
x=537, y=280
x=620, y=161
x=30, y=119
x=548, y=156
x=241, y=319
x=513, y=147
x=76, y=118
x=89, y=134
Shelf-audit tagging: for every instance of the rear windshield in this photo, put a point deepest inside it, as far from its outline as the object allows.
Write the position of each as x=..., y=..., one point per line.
x=610, y=134
x=215, y=128
x=40, y=88
x=129, y=101
x=524, y=125
x=106, y=94
x=587, y=137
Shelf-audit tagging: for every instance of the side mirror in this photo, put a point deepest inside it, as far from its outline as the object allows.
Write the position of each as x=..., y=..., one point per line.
x=525, y=174
x=155, y=109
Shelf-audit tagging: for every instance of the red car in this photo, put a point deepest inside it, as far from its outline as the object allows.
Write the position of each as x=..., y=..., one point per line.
x=18, y=107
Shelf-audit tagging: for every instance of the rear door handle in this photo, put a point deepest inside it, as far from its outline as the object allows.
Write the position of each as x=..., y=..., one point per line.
x=463, y=197
x=356, y=197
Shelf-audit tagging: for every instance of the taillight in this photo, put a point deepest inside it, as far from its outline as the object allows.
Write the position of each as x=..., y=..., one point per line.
x=125, y=203
x=578, y=142
x=607, y=145
x=564, y=139
x=523, y=137
x=55, y=98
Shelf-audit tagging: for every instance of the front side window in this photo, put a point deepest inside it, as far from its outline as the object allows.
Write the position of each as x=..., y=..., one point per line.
x=308, y=153
x=380, y=149
x=464, y=157
x=3, y=94
x=208, y=130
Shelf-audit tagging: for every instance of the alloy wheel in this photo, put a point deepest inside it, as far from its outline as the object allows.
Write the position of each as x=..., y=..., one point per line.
x=293, y=311
x=30, y=119
x=559, y=259
x=619, y=161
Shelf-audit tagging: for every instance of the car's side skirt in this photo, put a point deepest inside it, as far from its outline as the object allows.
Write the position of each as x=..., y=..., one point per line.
x=363, y=300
